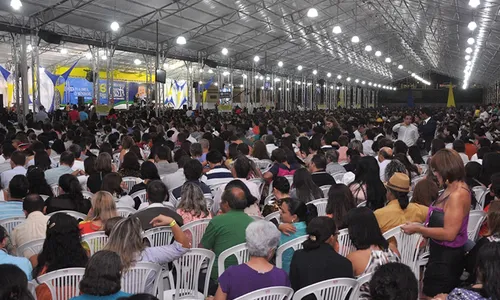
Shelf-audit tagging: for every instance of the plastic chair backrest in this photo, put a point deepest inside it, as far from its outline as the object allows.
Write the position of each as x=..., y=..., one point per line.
x=141, y=194
x=260, y=182
x=294, y=244
x=257, y=218
x=87, y=195
x=338, y=177
x=95, y=240
x=345, y=243
x=30, y=248
x=196, y=229
x=270, y=293
x=188, y=269
x=263, y=164
x=273, y=216
x=481, y=200
x=239, y=251
x=55, y=189
x=269, y=199
x=325, y=189
x=337, y=289
x=408, y=247
x=362, y=204
x=476, y=219
x=135, y=280
x=45, y=197
x=125, y=211
x=77, y=215
x=361, y=280
x=10, y=223
x=63, y=284
x=130, y=182
x=159, y=236
x=320, y=205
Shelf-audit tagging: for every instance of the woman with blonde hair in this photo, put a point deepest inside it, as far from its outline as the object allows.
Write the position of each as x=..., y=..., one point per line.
x=193, y=205
x=103, y=209
x=126, y=240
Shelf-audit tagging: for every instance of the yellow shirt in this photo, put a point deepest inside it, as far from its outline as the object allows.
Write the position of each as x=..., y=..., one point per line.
x=392, y=215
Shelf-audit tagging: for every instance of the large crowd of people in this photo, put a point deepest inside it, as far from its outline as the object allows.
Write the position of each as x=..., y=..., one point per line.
x=262, y=179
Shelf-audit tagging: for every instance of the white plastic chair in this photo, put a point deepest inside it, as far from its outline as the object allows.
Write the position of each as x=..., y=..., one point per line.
x=481, y=200
x=196, y=229
x=135, y=280
x=55, y=189
x=63, y=284
x=10, y=223
x=294, y=244
x=424, y=168
x=239, y=251
x=263, y=164
x=478, y=193
x=95, y=240
x=260, y=182
x=159, y=236
x=188, y=270
x=87, y=195
x=320, y=205
x=210, y=201
x=273, y=216
x=257, y=218
x=141, y=194
x=362, y=204
x=476, y=219
x=361, y=280
x=338, y=177
x=125, y=211
x=30, y=248
x=270, y=293
x=44, y=197
x=415, y=180
x=345, y=243
x=337, y=289
x=408, y=247
x=74, y=214
x=130, y=182
x=325, y=189
x=32, y=288
x=269, y=199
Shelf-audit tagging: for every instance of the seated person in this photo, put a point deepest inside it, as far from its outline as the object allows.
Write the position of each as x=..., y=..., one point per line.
x=393, y=281
x=281, y=167
x=262, y=239
x=13, y=204
x=5, y=258
x=317, y=167
x=70, y=197
x=193, y=170
x=217, y=171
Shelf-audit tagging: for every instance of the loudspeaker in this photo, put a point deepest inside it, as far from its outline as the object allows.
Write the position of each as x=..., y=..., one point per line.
x=90, y=76
x=321, y=82
x=195, y=85
x=50, y=37
x=1, y=100
x=212, y=64
x=81, y=101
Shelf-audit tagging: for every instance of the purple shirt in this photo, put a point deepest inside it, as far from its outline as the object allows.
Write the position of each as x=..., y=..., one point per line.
x=239, y=280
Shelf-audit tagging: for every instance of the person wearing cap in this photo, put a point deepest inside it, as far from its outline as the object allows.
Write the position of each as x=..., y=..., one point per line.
x=399, y=210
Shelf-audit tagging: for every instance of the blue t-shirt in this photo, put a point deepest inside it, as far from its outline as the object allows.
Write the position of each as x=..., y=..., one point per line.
x=288, y=254
x=109, y=297
x=83, y=116
x=21, y=262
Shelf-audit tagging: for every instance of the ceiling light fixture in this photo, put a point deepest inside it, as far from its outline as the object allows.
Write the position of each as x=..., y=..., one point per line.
x=88, y=55
x=339, y=76
x=337, y=29
x=355, y=39
x=224, y=51
x=280, y=64
x=468, y=50
x=210, y=71
x=472, y=25
x=64, y=51
x=299, y=68
x=256, y=58
x=388, y=60
x=104, y=57
x=474, y=3
x=137, y=62
x=315, y=72
x=369, y=83
x=357, y=80
x=29, y=48
x=363, y=82
x=115, y=26
x=368, y=48
x=348, y=79
x=378, y=53
x=467, y=57
x=329, y=75
x=16, y=4
x=181, y=40
x=244, y=76
x=261, y=78
x=312, y=13
x=471, y=41
x=400, y=67
x=268, y=78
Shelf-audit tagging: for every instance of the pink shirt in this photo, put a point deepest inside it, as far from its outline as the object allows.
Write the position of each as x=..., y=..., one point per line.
x=188, y=217
x=343, y=153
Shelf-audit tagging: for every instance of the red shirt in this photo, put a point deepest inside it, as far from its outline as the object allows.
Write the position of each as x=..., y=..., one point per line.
x=74, y=115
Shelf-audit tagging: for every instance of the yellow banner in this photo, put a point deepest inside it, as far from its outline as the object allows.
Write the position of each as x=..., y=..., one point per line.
x=204, y=96
x=10, y=94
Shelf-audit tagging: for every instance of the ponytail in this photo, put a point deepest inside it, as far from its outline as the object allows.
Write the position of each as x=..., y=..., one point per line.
x=402, y=198
x=319, y=229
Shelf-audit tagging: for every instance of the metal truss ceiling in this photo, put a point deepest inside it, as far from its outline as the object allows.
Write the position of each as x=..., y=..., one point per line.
x=421, y=35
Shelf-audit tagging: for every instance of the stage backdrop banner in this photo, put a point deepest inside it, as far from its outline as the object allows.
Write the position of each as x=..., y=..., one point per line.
x=119, y=92
x=78, y=87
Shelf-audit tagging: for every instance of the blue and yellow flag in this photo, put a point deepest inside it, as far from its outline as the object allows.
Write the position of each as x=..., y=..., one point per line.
x=451, y=97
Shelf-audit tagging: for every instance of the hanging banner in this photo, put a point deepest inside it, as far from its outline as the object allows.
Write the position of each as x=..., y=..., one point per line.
x=78, y=87
x=118, y=92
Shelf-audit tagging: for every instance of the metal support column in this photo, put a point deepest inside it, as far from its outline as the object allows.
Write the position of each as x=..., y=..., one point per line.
x=24, y=79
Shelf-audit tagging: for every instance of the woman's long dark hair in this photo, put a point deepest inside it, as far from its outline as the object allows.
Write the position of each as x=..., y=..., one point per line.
x=320, y=229
x=13, y=283
x=62, y=247
x=340, y=202
x=304, y=212
x=42, y=160
x=71, y=187
x=305, y=188
x=102, y=275
x=364, y=230
x=411, y=168
x=37, y=183
x=414, y=153
x=488, y=269
x=259, y=150
x=367, y=172
x=402, y=198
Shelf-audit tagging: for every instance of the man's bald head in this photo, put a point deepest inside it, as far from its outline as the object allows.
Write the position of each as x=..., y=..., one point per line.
x=385, y=153
x=235, y=198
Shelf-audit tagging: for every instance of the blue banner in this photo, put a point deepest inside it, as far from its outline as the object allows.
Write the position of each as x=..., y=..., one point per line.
x=78, y=87
x=119, y=92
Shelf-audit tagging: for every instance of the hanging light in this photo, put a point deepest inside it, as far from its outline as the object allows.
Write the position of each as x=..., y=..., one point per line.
x=88, y=55
x=181, y=40
x=210, y=71
x=312, y=13
x=256, y=76
x=16, y=4
x=165, y=66
x=339, y=76
x=355, y=39
x=268, y=78
x=471, y=41
x=474, y=3
x=363, y=82
x=472, y=25
x=388, y=60
x=299, y=68
x=348, y=79
x=241, y=85
x=224, y=51
x=261, y=78
x=337, y=29
x=280, y=64
x=400, y=67
x=216, y=84
x=357, y=80
x=368, y=48
x=244, y=76
x=468, y=50
x=104, y=57
x=378, y=53
x=64, y=51
x=369, y=83
x=42, y=69
x=115, y=26
x=256, y=58
x=467, y=57
x=137, y=62
x=468, y=63
x=315, y=72
x=329, y=75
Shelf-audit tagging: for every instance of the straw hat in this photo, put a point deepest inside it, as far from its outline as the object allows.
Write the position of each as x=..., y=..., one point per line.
x=399, y=182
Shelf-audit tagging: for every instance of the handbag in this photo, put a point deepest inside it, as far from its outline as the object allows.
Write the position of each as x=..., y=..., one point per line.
x=436, y=219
